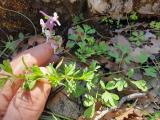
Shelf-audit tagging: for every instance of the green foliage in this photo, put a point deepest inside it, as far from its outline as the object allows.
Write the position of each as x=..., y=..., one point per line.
x=155, y=25
x=141, y=84
x=142, y=58
x=134, y=16
x=117, y=83
x=155, y=116
x=137, y=37
x=11, y=44
x=6, y=72
x=89, y=100
x=120, y=53
x=130, y=73
x=90, y=111
x=87, y=45
x=110, y=99
x=150, y=71
x=6, y=66
x=31, y=78
x=77, y=19
x=107, y=20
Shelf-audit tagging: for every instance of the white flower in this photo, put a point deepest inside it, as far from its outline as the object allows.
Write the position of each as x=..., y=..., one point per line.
x=43, y=25
x=55, y=18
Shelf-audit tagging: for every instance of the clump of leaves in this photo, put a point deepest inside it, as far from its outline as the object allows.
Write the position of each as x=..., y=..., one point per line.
x=107, y=20
x=11, y=45
x=134, y=16
x=6, y=72
x=120, y=53
x=87, y=45
x=155, y=116
x=155, y=25
x=137, y=37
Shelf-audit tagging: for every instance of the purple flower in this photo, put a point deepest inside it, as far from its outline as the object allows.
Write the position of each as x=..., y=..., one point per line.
x=48, y=26
x=52, y=21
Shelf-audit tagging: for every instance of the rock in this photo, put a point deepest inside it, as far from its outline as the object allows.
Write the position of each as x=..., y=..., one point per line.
x=60, y=104
x=117, y=8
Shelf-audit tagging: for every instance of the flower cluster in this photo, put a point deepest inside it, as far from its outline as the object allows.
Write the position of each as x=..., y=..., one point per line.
x=49, y=25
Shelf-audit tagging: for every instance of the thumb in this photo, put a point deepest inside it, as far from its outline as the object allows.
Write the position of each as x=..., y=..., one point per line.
x=28, y=105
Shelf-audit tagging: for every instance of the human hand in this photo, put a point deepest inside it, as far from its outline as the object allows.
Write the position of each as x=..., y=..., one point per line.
x=16, y=104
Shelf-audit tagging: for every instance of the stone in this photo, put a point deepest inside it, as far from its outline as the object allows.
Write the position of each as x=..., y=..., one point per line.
x=61, y=104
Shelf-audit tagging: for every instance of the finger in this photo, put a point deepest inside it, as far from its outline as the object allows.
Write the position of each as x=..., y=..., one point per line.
x=38, y=55
x=28, y=105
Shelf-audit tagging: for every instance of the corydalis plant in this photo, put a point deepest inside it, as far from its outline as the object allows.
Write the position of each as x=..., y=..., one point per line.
x=49, y=25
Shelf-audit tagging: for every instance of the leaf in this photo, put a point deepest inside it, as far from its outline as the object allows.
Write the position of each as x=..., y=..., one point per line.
x=3, y=81
x=6, y=66
x=110, y=85
x=141, y=84
x=142, y=58
x=21, y=36
x=70, y=44
x=69, y=69
x=79, y=91
x=89, y=112
x=29, y=85
x=70, y=86
x=89, y=100
x=130, y=73
x=151, y=71
x=102, y=85
x=73, y=37
x=87, y=75
x=120, y=85
x=110, y=99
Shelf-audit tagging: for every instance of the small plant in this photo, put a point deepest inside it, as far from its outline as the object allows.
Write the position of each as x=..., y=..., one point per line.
x=133, y=16
x=87, y=45
x=77, y=82
x=10, y=46
x=137, y=37
x=155, y=25
x=77, y=19
x=120, y=53
x=107, y=20
x=155, y=116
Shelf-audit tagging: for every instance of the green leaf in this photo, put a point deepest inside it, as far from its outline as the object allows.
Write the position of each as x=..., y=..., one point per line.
x=70, y=69
x=6, y=66
x=151, y=71
x=142, y=58
x=29, y=84
x=70, y=86
x=110, y=99
x=3, y=81
x=141, y=84
x=120, y=85
x=130, y=73
x=73, y=37
x=89, y=112
x=79, y=90
x=110, y=85
x=89, y=100
x=87, y=75
x=102, y=85
x=21, y=36
x=70, y=44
